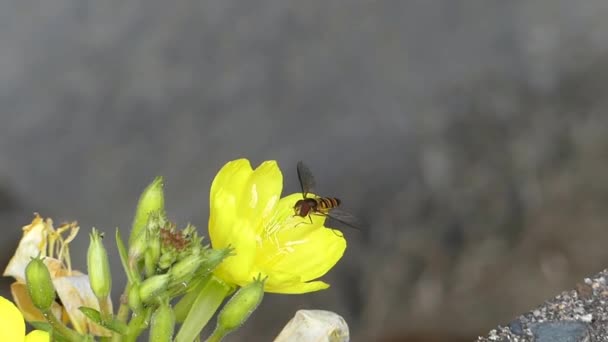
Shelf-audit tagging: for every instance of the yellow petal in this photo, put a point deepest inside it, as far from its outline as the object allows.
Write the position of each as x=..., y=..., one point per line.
x=236, y=269
x=314, y=255
x=299, y=288
x=240, y=199
x=33, y=242
x=13, y=326
x=261, y=193
x=285, y=282
x=225, y=191
x=37, y=336
x=311, y=249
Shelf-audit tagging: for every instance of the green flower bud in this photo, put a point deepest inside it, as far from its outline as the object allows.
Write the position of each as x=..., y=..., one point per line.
x=162, y=324
x=154, y=247
x=134, y=300
x=184, y=270
x=150, y=265
x=98, y=266
x=167, y=259
x=39, y=284
x=213, y=257
x=240, y=307
x=150, y=288
x=151, y=200
x=152, y=254
x=138, y=247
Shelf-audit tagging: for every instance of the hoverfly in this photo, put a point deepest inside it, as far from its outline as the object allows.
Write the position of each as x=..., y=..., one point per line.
x=324, y=206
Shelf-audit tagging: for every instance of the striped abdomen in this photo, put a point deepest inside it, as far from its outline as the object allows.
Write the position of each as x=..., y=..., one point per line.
x=327, y=203
x=309, y=205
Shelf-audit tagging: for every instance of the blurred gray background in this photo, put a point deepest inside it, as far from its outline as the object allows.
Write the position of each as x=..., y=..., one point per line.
x=470, y=135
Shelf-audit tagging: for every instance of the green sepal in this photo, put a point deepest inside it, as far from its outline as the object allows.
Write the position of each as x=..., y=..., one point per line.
x=95, y=316
x=41, y=325
x=122, y=252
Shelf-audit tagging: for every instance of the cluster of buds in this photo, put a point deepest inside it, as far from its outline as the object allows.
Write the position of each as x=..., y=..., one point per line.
x=161, y=262
x=164, y=262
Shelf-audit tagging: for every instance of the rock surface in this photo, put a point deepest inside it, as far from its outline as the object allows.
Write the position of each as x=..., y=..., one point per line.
x=578, y=315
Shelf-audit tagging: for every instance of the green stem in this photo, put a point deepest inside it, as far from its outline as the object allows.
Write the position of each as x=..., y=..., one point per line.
x=61, y=329
x=137, y=325
x=123, y=312
x=204, y=306
x=182, y=308
x=104, y=309
x=185, y=303
x=217, y=336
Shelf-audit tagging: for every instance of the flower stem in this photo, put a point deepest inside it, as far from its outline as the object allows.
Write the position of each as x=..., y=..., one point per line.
x=137, y=325
x=104, y=309
x=217, y=336
x=123, y=312
x=205, y=305
x=61, y=329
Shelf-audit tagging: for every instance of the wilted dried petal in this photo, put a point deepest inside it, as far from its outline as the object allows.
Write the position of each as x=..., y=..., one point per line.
x=24, y=303
x=74, y=292
x=315, y=325
x=33, y=243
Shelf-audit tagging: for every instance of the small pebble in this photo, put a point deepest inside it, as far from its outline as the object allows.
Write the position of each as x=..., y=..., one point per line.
x=561, y=331
x=516, y=327
x=585, y=291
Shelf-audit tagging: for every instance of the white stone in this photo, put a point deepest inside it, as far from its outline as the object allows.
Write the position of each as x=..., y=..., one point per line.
x=315, y=325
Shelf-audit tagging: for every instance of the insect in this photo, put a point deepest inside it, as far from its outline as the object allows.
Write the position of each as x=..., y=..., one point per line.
x=324, y=206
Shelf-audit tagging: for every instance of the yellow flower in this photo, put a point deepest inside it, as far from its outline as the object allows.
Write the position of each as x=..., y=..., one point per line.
x=13, y=325
x=248, y=214
x=72, y=287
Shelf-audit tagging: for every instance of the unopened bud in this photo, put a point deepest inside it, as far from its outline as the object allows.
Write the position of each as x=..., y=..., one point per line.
x=151, y=200
x=39, y=284
x=98, y=266
x=162, y=324
x=138, y=247
x=240, y=307
x=154, y=249
x=184, y=270
x=134, y=299
x=150, y=288
x=213, y=257
x=167, y=259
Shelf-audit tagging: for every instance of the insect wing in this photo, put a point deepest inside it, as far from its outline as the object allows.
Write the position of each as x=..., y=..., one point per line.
x=307, y=180
x=345, y=218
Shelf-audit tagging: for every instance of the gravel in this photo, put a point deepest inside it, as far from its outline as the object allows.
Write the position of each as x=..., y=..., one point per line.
x=578, y=315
